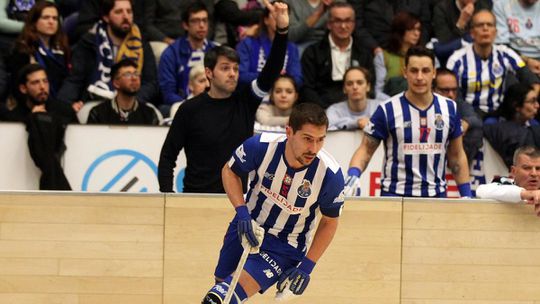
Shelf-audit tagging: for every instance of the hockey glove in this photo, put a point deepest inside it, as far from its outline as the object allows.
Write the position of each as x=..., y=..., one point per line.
x=352, y=183
x=296, y=279
x=245, y=227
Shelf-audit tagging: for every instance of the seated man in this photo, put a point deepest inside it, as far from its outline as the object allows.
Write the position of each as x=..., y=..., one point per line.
x=524, y=181
x=112, y=39
x=124, y=108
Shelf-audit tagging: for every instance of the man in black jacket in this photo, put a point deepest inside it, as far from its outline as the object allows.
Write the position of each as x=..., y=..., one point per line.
x=325, y=63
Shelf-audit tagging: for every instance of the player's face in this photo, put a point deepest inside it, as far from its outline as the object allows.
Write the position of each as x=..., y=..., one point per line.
x=355, y=86
x=198, y=84
x=419, y=73
x=447, y=86
x=284, y=94
x=36, y=87
x=341, y=23
x=484, y=29
x=197, y=26
x=128, y=81
x=120, y=18
x=526, y=172
x=47, y=24
x=224, y=77
x=412, y=36
x=304, y=144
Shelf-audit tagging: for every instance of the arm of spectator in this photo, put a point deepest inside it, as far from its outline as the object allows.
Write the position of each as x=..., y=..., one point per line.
x=229, y=12
x=361, y=32
x=465, y=16
x=88, y=15
x=425, y=19
x=294, y=67
x=503, y=193
x=380, y=73
x=151, y=32
x=457, y=160
x=503, y=35
x=467, y=113
x=301, y=25
x=174, y=142
x=77, y=81
x=8, y=26
x=245, y=51
x=309, y=71
x=265, y=116
x=441, y=30
x=168, y=82
x=148, y=91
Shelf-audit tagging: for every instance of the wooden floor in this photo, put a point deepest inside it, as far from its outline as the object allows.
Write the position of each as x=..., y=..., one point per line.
x=102, y=248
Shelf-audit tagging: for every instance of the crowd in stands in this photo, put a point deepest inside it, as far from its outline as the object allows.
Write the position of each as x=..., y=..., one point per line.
x=142, y=61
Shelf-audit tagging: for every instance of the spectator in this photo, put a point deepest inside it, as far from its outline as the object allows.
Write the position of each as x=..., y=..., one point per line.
x=523, y=184
x=421, y=132
x=353, y=113
x=405, y=33
x=483, y=67
x=229, y=15
x=446, y=85
x=451, y=18
x=177, y=60
x=309, y=20
x=124, y=108
x=42, y=41
x=45, y=121
x=198, y=83
x=253, y=51
x=518, y=25
x=516, y=114
x=112, y=39
x=283, y=97
x=325, y=63
x=211, y=125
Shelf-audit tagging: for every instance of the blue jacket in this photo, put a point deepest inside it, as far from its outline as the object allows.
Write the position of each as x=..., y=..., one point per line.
x=253, y=52
x=174, y=66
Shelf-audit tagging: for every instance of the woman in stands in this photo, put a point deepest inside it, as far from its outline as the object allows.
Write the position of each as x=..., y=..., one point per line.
x=405, y=32
x=42, y=41
x=283, y=96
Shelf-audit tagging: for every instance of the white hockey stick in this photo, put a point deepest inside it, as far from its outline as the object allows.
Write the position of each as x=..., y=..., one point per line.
x=237, y=274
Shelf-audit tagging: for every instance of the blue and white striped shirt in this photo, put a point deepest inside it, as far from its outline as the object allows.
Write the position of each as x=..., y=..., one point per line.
x=283, y=200
x=415, y=143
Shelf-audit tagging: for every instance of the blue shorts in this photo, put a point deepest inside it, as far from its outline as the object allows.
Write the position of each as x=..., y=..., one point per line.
x=274, y=258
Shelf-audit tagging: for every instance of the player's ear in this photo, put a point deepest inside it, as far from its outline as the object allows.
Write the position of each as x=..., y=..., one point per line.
x=289, y=131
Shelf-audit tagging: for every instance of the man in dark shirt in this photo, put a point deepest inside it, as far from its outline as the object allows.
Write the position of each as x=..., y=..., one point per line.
x=211, y=125
x=124, y=108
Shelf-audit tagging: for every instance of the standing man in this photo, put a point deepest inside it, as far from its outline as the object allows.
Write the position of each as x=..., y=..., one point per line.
x=211, y=125
x=186, y=52
x=421, y=132
x=293, y=180
x=124, y=108
x=524, y=181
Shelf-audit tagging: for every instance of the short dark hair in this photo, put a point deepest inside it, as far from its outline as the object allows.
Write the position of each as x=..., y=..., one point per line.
x=108, y=5
x=514, y=97
x=530, y=151
x=211, y=57
x=441, y=71
x=307, y=113
x=115, y=69
x=192, y=8
x=22, y=76
x=362, y=70
x=419, y=51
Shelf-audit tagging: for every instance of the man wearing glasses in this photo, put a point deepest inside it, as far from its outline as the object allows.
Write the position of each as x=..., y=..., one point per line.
x=124, y=108
x=325, y=63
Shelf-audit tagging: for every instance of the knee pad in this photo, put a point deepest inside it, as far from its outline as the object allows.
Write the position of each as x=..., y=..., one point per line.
x=216, y=295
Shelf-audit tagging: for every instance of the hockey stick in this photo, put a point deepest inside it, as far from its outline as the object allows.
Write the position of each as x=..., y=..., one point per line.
x=237, y=274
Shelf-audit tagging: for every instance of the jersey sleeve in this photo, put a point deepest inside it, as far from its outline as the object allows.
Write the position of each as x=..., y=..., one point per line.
x=455, y=122
x=246, y=157
x=378, y=125
x=332, y=197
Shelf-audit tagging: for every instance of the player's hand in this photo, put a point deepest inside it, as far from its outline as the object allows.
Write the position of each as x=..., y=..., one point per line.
x=280, y=12
x=245, y=227
x=296, y=279
x=352, y=182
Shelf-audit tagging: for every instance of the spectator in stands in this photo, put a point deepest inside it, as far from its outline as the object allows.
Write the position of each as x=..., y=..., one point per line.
x=45, y=121
x=42, y=41
x=451, y=18
x=283, y=97
x=518, y=25
x=523, y=184
x=12, y=16
x=483, y=67
x=124, y=108
x=253, y=51
x=211, y=125
x=508, y=129
x=112, y=39
x=389, y=64
x=198, y=83
x=232, y=14
x=325, y=63
x=446, y=85
x=353, y=113
x=309, y=20
x=177, y=60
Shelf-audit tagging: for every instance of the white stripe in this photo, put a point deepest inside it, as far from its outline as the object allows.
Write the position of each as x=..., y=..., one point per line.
x=256, y=90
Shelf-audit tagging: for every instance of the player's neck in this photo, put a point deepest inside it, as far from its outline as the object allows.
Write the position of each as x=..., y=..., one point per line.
x=421, y=101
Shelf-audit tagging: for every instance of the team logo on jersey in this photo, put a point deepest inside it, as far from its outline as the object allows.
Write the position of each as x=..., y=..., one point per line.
x=269, y=274
x=407, y=124
x=529, y=24
x=287, y=180
x=269, y=176
x=305, y=189
x=369, y=128
x=241, y=154
x=340, y=198
x=497, y=69
x=439, y=122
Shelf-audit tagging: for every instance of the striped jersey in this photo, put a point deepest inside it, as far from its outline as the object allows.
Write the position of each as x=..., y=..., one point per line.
x=415, y=143
x=283, y=200
x=482, y=81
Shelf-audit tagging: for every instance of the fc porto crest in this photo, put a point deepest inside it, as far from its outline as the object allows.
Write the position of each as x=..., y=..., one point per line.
x=305, y=189
x=439, y=122
x=529, y=24
x=497, y=69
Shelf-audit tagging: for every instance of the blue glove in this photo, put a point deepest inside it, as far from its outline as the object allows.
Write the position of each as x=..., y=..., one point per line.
x=352, y=183
x=296, y=278
x=244, y=226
